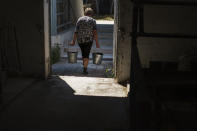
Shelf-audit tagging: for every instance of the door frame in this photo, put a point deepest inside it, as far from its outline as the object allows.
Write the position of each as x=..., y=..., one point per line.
x=47, y=41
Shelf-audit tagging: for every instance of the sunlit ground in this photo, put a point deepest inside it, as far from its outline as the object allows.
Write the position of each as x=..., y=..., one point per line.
x=93, y=86
x=104, y=17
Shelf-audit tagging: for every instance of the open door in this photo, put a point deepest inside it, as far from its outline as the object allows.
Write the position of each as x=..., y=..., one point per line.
x=47, y=37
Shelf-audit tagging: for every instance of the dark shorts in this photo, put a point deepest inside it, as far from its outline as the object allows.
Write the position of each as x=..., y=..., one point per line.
x=85, y=49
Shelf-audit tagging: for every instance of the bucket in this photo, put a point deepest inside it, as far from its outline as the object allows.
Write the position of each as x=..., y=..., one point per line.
x=72, y=57
x=97, y=58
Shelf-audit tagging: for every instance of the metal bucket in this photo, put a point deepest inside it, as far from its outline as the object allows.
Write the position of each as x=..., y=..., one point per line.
x=72, y=57
x=97, y=58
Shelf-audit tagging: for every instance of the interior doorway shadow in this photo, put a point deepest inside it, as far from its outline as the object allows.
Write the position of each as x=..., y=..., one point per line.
x=52, y=105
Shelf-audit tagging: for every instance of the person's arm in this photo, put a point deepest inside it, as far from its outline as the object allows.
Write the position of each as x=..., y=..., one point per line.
x=96, y=38
x=74, y=39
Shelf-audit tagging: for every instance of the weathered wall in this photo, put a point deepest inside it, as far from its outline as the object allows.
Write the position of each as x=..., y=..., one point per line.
x=62, y=39
x=27, y=17
x=123, y=41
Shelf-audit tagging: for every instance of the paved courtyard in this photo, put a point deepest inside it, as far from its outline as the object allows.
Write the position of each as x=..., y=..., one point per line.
x=64, y=68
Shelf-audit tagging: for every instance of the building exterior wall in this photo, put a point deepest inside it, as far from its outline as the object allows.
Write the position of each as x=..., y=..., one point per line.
x=62, y=38
x=61, y=16
x=53, y=18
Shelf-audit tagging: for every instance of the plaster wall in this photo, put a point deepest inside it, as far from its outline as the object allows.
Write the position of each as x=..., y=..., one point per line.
x=27, y=17
x=122, y=43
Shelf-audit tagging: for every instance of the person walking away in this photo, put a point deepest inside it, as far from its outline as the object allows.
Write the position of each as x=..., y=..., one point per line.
x=85, y=34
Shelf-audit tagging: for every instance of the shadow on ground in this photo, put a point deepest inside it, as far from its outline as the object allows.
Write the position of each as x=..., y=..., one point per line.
x=51, y=105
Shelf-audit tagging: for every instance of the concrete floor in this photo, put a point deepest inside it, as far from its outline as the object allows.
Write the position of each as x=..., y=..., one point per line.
x=68, y=100
x=13, y=87
x=103, y=70
x=53, y=105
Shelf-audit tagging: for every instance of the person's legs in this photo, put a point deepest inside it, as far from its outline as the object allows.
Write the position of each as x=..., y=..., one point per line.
x=85, y=65
x=85, y=49
x=85, y=62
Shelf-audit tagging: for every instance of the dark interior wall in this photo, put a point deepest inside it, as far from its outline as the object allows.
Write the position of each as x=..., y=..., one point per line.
x=168, y=19
x=157, y=19
x=27, y=17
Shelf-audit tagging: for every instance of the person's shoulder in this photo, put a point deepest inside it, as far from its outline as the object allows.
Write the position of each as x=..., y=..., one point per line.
x=81, y=18
x=92, y=19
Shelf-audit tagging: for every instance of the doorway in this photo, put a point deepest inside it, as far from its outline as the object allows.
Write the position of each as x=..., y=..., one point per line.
x=63, y=20
x=100, y=80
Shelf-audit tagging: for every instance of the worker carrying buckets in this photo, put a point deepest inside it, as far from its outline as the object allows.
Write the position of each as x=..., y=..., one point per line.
x=85, y=33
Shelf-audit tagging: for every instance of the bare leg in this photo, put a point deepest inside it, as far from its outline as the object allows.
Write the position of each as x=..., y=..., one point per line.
x=85, y=65
x=85, y=62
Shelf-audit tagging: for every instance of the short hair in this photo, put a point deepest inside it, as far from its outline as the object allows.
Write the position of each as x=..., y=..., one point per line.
x=89, y=11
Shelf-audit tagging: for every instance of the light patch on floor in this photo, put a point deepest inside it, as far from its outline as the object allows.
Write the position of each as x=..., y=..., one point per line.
x=105, y=22
x=92, y=86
